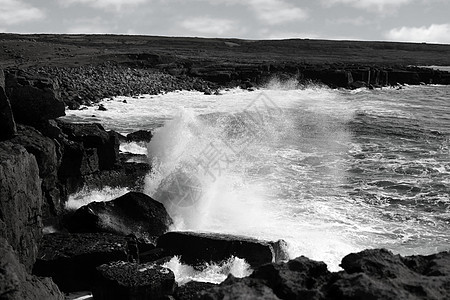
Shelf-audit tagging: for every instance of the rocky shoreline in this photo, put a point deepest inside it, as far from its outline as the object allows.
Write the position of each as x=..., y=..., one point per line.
x=116, y=249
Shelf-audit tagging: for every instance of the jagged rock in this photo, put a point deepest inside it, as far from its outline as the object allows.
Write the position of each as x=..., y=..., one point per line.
x=378, y=274
x=33, y=98
x=191, y=290
x=133, y=213
x=17, y=284
x=94, y=136
x=20, y=201
x=7, y=123
x=124, y=280
x=71, y=259
x=238, y=288
x=196, y=248
x=300, y=278
x=140, y=136
x=48, y=160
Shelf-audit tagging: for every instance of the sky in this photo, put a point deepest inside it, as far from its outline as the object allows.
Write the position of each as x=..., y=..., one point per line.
x=380, y=20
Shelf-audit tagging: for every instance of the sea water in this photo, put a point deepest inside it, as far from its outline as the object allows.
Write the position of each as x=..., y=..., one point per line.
x=329, y=171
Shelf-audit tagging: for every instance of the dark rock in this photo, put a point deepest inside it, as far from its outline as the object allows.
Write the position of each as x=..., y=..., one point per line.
x=140, y=136
x=133, y=212
x=358, y=85
x=17, y=284
x=71, y=259
x=7, y=123
x=20, y=201
x=124, y=280
x=300, y=278
x=101, y=107
x=94, y=136
x=191, y=290
x=378, y=274
x=45, y=151
x=196, y=248
x=239, y=288
x=33, y=98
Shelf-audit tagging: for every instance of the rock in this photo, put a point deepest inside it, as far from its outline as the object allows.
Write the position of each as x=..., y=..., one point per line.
x=20, y=201
x=133, y=212
x=71, y=259
x=140, y=136
x=378, y=274
x=239, y=288
x=196, y=248
x=101, y=107
x=124, y=280
x=191, y=290
x=94, y=136
x=45, y=151
x=300, y=278
x=33, y=98
x=7, y=123
x=17, y=284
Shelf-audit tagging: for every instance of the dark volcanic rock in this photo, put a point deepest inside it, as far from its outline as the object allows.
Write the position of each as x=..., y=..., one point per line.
x=48, y=160
x=94, y=136
x=300, y=278
x=140, y=135
x=7, y=123
x=33, y=98
x=197, y=248
x=239, y=288
x=71, y=259
x=20, y=201
x=378, y=274
x=133, y=213
x=192, y=289
x=124, y=280
x=17, y=284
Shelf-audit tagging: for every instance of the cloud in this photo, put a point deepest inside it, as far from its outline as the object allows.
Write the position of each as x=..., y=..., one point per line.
x=378, y=6
x=435, y=33
x=359, y=21
x=210, y=26
x=274, y=12
x=113, y=5
x=16, y=11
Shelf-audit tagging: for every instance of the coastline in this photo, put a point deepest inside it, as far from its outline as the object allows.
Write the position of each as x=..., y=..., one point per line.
x=46, y=160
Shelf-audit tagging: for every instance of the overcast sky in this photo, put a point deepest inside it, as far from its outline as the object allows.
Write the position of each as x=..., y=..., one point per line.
x=397, y=20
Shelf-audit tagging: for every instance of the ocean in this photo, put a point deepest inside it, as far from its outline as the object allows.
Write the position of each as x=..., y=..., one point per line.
x=330, y=171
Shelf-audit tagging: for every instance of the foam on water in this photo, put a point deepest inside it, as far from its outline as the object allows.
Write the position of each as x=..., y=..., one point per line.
x=87, y=195
x=331, y=172
x=215, y=273
x=134, y=147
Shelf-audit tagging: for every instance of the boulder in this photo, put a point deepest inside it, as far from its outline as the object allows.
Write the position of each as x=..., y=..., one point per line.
x=239, y=288
x=300, y=278
x=191, y=290
x=48, y=159
x=33, y=98
x=94, y=136
x=17, y=284
x=71, y=259
x=195, y=248
x=133, y=213
x=20, y=201
x=125, y=280
x=378, y=274
x=140, y=136
x=7, y=123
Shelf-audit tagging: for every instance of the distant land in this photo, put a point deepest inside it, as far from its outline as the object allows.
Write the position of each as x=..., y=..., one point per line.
x=63, y=50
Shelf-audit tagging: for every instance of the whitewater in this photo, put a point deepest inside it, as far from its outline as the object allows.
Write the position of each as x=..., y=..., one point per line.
x=329, y=171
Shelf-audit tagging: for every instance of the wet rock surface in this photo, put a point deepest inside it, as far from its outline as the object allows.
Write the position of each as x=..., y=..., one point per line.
x=125, y=280
x=7, y=123
x=71, y=259
x=196, y=248
x=133, y=213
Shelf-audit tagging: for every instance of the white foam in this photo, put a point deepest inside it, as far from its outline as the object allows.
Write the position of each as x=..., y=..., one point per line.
x=134, y=147
x=215, y=273
x=86, y=196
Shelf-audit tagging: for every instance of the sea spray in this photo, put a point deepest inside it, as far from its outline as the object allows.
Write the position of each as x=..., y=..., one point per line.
x=88, y=195
x=209, y=272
